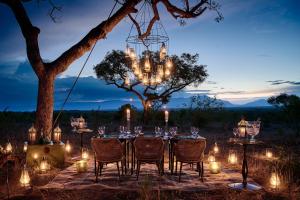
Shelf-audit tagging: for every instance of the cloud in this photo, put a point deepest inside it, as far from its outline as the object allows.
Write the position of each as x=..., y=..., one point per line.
x=280, y=82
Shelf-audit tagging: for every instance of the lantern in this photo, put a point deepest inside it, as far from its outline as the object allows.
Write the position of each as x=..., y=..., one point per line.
x=166, y=116
x=232, y=157
x=132, y=54
x=68, y=147
x=242, y=128
x=274, y=180
x=216, y=148
x=269, y=153
x=9, y=148
x=145, y=79
x=215, y=167
x=147, y=66
x=211, y=157
x=158, y=79
x=84, y=154
x=162, y=51
x=57, y=134
x=32, y=134
x=24, y=179
x=128, y=114
x=81, y=166
x=44, y=165
x=167, y=73
x=169, y=63
x=25, y=147
x=35, y=156
x=81, y=122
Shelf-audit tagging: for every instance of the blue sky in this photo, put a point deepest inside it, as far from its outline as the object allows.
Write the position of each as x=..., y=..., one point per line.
x=253, y=53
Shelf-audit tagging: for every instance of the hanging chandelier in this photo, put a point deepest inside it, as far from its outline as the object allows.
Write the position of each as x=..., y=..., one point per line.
x=148, y=56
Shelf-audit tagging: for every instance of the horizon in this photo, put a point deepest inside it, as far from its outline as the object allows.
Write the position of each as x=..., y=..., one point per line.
x=252, y=54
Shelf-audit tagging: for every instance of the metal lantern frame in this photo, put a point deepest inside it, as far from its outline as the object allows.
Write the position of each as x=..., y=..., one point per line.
x=140, y=50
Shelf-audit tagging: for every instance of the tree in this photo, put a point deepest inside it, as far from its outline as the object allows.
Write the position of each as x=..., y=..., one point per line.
x=47, y=71
x=290, y=105
x=115, y=67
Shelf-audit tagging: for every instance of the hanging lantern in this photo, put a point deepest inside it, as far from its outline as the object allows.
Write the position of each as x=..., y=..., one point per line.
x=274, y=180
x=269, y=153
x=81, y=123
x=145, y=79
x=215, y=167
x=24, y=179
x=163, y=51
x=153, y=80
x=8, y=148
x=25, y=147
x=147, y=66
x=57, y=134
x=216, y=148
x=32, y=134
x=85, y=154
x=35, y=156
x=160, y=70
x=232, y=157
x=167, y=73
x=169, y=63
x=158, y=79
x=242, y=128
x=68, y=147
x=44, y=165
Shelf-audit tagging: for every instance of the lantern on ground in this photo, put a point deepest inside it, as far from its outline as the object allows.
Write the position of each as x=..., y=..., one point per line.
x=25, y=147
x=269, y=153
x=242, y=128
x=44, y=165
x=68, y=147
x=8, y=148
x=274, y=181
x=81, y=166
x=57, y=134
x=211, y=157
x=232, y=157
x=215, y=167
x=216, y=148
x=24, y=179
x=32, y=134
x=85, y=154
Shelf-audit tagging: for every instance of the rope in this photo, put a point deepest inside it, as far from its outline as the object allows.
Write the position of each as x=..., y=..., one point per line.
x=77, y=78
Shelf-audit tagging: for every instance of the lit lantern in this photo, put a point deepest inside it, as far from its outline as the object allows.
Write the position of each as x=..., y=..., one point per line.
x=25, y=147
x=216, y=148
x=215, y=167
x=145, y=79
x=160, y=70
x=269, y=153
x=153, y=81
x=132, y=54
x=158, y=79
x=128, y=114
x=81, y=166
x=242, y=128
x=274, y=181
x=163, y=51
x=211, y=158
x=85, y=155
x=232, y=157
x=57, y=134
x=8, y=148
x=167, y=73
x=35, y=156
x=169, y=63
x=44, y=165
x=68, y=147
x=134, y=64
x=32, y=134
x=166, y=116
x=24, y=179
x=147, y=66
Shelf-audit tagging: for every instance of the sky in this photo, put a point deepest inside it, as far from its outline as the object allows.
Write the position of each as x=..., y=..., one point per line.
x=252, y=54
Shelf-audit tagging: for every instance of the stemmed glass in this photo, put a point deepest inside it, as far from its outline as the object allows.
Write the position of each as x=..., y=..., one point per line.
x=173, y=131
x=194, y=131
x=158, y=131
x=101, y=130
x=122, y=129
x=137, y=130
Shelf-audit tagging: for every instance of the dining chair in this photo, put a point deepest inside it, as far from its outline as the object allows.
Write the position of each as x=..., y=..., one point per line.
x=149, y=150
x=107, y=150
x=190, y=151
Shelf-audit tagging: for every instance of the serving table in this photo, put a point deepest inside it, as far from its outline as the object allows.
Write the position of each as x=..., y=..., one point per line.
x=244, y=185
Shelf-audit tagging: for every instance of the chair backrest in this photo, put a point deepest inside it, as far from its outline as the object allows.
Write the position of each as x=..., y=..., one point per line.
x=190, y=150
x=149, y=148
x=107, y=149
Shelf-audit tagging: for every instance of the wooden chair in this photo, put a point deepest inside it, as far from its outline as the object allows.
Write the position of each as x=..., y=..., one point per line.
x=149, y=150
x=191, y=152
x=107, y=150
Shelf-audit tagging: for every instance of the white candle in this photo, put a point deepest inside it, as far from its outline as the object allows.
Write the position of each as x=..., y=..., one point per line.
x=128, y=114
x=166, y=116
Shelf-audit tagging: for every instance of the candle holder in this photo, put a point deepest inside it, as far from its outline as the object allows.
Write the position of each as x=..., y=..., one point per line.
x=275, y=181
x=215, y=167
x=57, y=134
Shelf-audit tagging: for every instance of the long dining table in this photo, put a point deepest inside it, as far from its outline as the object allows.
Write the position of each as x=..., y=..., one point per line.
x=128, y=140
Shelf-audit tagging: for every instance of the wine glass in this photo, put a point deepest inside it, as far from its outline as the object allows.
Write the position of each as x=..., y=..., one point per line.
x=158, y=131
x=138, y=130
x=194, y=131
x=101, y=130
x=122, y=129
x=173, y=131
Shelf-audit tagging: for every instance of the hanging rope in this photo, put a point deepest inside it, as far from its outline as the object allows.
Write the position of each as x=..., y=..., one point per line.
x=77, y=78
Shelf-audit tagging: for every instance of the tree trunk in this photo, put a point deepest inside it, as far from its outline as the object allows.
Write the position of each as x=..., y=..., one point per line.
x=44, y=108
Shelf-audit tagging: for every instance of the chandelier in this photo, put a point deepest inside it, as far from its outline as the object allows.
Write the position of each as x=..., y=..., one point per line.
x=148, y=56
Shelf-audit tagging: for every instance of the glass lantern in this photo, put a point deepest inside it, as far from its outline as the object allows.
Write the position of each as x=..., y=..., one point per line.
x=215, y=167
x=44, y=166
x=68, y=147
x=242, y=128
x=25, y=147
x=275, y=181
x=232, y=157
x=216, y=148
x=57, y=134
x=24, y=179
x=32, y=134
